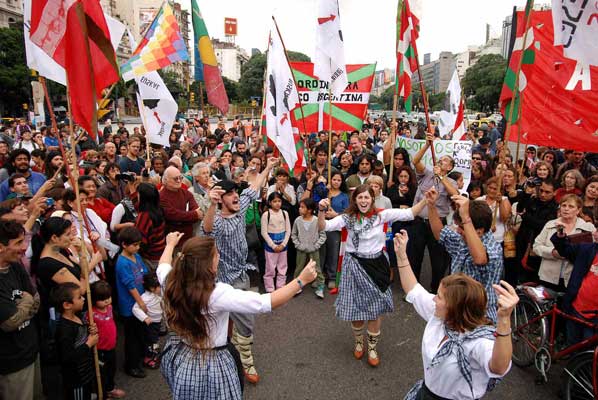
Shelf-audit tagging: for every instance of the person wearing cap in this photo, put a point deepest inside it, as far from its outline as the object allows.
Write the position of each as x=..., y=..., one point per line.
x=180, y=208
x=483, y=146
x=228, y=228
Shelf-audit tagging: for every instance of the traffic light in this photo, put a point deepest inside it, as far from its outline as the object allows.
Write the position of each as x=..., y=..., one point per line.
x=253, y=103
x=192, y=97
x=25, y=106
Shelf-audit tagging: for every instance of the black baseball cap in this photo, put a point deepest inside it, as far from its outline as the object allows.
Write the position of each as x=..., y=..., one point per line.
x=227, y=186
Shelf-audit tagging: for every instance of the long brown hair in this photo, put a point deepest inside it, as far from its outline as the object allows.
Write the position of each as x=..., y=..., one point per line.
x=353, y=209
x=188, y=289
x=466, y=303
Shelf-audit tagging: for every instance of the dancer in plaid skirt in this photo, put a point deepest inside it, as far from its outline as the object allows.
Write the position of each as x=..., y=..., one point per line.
x=197, y=361
x=364, y=291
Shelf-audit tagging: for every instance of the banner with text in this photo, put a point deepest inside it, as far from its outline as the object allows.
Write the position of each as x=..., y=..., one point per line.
x=348, y=110
x=459, y=150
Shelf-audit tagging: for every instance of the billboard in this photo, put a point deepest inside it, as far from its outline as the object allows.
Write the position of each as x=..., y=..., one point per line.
x=230, y=26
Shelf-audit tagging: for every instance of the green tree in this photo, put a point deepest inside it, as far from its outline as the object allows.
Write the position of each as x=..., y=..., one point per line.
x=251, y=83
x=172, y=82
x=14, y=74
x=437, y=101
x=232, y=89
x=483, y=82
x=386, y=99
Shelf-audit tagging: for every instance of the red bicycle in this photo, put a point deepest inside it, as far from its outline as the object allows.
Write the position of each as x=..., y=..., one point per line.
x=534, y=337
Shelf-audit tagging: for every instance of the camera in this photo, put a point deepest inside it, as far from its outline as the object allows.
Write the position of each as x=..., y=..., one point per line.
x=50, y=202
x=126, y=176
x=534, y=182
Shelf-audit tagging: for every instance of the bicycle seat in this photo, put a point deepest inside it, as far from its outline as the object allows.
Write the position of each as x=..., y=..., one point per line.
x=540, y=294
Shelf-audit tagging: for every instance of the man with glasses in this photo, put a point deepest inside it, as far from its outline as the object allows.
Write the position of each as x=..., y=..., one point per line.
x=180, y=208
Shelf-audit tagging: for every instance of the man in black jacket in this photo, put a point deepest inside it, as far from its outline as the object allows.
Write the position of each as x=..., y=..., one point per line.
x=19, y=302
x=536, y=209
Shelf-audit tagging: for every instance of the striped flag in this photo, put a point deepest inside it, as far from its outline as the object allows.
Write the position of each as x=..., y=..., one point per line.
x=161, y=46
x=206, y=65
x=408, y=15
x=524, y=53
x=451, y=121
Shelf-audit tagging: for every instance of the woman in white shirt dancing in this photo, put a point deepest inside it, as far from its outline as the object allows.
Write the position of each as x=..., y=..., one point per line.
x=463, y=353
x=197, y=362
x=364, y=290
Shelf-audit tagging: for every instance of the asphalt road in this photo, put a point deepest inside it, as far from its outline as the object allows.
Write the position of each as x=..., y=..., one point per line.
x=303, y=352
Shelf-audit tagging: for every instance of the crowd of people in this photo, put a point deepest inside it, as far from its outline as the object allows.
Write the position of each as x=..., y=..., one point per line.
x=175, y=236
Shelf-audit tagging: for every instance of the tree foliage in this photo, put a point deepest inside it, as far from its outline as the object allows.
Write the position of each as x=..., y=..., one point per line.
x=173, y=83
x=14, y=75
x=252, y=74
x=483, y=82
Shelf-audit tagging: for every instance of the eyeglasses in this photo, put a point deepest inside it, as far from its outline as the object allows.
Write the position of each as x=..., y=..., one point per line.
x=177, y=178
x=476, y=158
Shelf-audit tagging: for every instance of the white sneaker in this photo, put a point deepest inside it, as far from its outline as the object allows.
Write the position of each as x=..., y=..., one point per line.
x=320, y=291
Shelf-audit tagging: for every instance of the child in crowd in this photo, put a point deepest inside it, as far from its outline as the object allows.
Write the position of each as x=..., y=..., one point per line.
x=308, y=240
x=276, y=231
x=74, y=340
x=151, y=319
x=130, y=270
x=101, y=296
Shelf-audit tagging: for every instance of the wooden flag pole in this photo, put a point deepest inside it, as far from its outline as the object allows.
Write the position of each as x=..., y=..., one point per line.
x=305, y=133
x=329, y=136
x=426, y=110
x=84, y=256
x=393, y=130
x=528, y=22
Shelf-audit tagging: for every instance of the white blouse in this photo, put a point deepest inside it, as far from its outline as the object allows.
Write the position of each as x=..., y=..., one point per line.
x=374, y=240
x=445, y=380
x=224, y=300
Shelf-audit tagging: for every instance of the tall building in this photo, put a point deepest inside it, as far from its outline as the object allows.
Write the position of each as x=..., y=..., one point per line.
x=230, y=59
x=436, y=74
x=11, y=13
x=109, y=6
x=139, y=14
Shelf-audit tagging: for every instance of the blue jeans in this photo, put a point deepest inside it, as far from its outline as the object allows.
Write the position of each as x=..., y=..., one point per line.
x=577, y=332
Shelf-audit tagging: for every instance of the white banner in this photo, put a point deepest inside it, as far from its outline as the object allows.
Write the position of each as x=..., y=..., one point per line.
x=158, y=107
x=345, y=98
x=459, y=150
x=576, y=29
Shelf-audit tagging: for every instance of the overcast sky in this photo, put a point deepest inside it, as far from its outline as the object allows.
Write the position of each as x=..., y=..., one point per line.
x=368, y=25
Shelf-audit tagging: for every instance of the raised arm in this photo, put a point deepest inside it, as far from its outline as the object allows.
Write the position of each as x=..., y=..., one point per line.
x=503, y=347
x=259, y=181
x=208, y=220
x=408, y=279
x=435, y=222
x=172, y=239
x=323, y=206
x=474, y=243
x=417, y=159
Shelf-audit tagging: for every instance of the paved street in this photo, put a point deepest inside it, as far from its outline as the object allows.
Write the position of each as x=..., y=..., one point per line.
x=303, y=352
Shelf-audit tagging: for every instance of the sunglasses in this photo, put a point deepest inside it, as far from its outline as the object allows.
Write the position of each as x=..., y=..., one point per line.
x=476, y=158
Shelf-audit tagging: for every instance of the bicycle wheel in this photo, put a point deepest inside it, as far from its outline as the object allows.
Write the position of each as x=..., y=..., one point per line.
x=578, y=378
x=534, y=333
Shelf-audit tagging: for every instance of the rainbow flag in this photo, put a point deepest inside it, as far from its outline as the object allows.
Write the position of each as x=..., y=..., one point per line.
x=206, y=65
x=161, y=46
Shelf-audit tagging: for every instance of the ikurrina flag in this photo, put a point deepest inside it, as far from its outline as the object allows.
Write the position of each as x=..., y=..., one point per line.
x=65, y=30
x=282, y=98
x=408, y=16
x=161, y=46
x=349, y=109
x=330, y=53
x=519, y=50
x=206, y=65
x=559, y=96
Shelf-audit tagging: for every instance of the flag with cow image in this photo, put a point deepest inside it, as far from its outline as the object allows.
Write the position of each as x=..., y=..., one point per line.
x=206, y=65
x=576, y=29
x=558, y=102
x=68, y=30
x=408, y=17
x=349, y=109
x=519, y=50
x=282, y=98
x=451, y=122
x=329, y=61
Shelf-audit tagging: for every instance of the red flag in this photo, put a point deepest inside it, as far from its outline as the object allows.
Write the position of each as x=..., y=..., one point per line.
x=64, y=29
x=558, y=101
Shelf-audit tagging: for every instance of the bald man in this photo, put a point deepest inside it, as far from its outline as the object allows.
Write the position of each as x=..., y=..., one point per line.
x=180, y=208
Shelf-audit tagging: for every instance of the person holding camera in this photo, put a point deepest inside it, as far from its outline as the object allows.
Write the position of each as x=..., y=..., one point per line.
x=536, y=209
x=555, y=271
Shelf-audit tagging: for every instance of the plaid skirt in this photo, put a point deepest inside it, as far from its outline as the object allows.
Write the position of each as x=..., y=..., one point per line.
x=191, y=374
x=359, y=298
